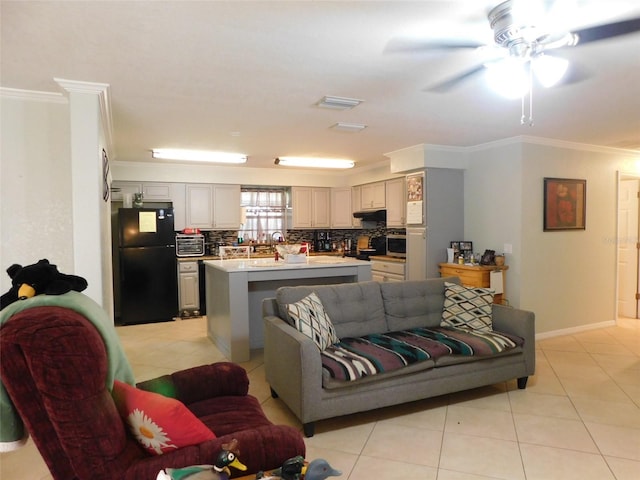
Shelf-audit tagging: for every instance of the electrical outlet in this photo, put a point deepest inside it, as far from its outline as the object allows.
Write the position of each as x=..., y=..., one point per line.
x=508, y=248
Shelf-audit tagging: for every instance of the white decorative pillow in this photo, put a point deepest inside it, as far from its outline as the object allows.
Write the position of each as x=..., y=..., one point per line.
x=309, y=318
x=467, y=307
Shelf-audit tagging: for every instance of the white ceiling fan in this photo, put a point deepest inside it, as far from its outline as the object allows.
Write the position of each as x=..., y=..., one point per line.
x=527, y=36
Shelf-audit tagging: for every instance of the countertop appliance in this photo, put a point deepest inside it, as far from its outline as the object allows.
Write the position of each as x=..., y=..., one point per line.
x=189, y=245
x=148, y=284
x=397, y=246
x=322, y=241
x=367, y=247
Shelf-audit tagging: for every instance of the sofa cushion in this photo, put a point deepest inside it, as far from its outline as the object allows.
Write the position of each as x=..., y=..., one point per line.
x=355, y=309
x=467, y=307
x=354, y=358
x=160, y=424
x=413, y=304
x=310, y=318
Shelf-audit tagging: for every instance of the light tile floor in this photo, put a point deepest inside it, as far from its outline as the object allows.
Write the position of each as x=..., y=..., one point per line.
x=579, y=417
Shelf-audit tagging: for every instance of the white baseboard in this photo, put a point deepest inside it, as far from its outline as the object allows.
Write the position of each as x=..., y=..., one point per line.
x=572, y=330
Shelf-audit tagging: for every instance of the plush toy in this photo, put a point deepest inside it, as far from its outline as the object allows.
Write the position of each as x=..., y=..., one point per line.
x=228, y=457
x=39, y=278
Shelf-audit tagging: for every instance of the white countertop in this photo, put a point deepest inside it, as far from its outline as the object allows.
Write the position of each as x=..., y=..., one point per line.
x=259, y=264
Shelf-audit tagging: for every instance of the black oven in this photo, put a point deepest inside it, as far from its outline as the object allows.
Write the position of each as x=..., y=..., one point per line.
x=397, y=246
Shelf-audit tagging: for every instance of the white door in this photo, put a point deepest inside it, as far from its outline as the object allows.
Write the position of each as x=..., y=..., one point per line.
x=628, y=267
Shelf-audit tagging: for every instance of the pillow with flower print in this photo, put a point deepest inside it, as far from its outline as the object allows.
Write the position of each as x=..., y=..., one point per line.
x=161, y=424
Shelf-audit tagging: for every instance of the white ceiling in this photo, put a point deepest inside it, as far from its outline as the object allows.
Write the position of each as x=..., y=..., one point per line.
x=245, y=76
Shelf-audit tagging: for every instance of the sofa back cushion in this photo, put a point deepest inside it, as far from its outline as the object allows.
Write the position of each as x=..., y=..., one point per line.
x=355, y=309
x=414, y=303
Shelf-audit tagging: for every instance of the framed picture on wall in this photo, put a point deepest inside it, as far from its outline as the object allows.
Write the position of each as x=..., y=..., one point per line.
x=564, y=204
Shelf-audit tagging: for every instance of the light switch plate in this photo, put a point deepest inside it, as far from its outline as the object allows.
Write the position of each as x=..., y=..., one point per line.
x=508, y=248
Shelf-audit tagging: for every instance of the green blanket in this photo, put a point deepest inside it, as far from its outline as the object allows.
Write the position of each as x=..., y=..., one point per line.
x=12, y=434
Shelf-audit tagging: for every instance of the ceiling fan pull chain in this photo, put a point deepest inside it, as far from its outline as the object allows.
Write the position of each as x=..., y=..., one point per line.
x=523, y=118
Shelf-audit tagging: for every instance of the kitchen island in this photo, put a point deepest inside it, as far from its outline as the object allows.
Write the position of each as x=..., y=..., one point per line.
x=235, y=290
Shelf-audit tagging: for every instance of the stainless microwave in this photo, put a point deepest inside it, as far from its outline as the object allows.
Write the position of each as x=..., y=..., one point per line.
x=397, y=246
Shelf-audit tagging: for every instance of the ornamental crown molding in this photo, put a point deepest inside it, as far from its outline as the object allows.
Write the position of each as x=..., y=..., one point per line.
x=18, y=93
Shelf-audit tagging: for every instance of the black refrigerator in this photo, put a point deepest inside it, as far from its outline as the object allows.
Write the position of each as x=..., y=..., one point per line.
x=148, y=278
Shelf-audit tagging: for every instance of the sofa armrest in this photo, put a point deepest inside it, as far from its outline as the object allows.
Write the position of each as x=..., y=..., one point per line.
x=521, y=323
x=202, y=382
x=293, y=366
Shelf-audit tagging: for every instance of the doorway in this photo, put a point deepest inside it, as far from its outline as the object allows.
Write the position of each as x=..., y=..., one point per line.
x=628, y=258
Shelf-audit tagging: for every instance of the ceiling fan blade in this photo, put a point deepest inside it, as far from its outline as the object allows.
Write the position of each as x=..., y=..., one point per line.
x=609, y=30
x=404, y=44
x=450, y=83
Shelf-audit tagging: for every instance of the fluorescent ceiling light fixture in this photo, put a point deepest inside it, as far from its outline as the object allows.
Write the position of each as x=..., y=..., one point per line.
x=348, y=127
x=314, y=162
x=338, y=103
x=198, y=155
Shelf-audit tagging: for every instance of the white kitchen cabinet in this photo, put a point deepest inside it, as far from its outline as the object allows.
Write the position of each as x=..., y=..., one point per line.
x=356, y=205
x=156, y=192
x=199, y=199
x=226, y=207
x=395, y=202
x=212, y=206
x=311, y=207
x=341, y=212
x=383, y=271
x=178, y=197
x=188, y=288
x=373, y=196
x=119, y=188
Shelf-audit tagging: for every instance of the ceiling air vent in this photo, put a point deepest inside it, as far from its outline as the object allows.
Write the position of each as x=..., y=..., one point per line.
x=348, y=127
x=338, y=103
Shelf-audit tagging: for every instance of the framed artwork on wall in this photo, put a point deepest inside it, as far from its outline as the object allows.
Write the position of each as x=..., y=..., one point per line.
x=564, y=204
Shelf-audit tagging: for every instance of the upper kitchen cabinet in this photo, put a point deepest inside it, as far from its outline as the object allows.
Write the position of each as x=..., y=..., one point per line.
x=373, y=196
x=395, y=202
x=356, y=205
x=118, y=189
x=151, y=191
x=213, y=206
x=156, y=192
x=341, y=209
x=226, y=207
x=311, y=207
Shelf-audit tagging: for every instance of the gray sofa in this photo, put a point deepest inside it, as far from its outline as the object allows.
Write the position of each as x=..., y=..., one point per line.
x=294, y=368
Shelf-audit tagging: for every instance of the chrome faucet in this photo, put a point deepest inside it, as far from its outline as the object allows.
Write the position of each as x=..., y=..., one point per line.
x=273, y=236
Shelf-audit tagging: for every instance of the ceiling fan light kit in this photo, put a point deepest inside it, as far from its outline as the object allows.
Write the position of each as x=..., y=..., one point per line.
x=198, y=155
x=314, y=162
x=524, y=31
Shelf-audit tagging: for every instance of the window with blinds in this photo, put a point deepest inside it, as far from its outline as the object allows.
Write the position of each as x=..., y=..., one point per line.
x=263, y=213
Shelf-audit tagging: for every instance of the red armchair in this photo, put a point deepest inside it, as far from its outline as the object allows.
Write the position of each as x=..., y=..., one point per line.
x=53, y=365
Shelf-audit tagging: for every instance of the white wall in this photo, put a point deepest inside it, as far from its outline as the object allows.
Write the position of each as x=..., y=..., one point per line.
x=35, y=182
x=566, y=277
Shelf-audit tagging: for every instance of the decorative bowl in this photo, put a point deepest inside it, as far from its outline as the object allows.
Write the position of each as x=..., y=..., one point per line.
x=288, y=249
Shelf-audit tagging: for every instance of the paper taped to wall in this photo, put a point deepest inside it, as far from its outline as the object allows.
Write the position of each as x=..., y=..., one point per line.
x=495, y=281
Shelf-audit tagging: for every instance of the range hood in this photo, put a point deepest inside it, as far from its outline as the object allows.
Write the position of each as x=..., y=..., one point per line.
x=371, y=215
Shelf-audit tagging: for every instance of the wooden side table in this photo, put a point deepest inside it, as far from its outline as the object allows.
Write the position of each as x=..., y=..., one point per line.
x=475, y=276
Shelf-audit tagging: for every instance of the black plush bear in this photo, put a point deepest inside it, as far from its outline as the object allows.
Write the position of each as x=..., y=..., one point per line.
x=41, y=277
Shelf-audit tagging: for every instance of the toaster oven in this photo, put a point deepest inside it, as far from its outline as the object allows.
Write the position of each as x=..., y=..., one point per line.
x=189, y=245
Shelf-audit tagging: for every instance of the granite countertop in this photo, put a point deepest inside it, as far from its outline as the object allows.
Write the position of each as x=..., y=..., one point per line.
x=255, y=255
x=314, y=261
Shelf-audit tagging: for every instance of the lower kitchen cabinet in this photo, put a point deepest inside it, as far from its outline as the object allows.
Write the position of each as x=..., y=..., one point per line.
x=188, y=289
x=385, y=271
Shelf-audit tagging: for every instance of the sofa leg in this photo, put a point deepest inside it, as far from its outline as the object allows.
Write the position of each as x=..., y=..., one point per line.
x=274, y=394
x=309, y=429
x=522, y=382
